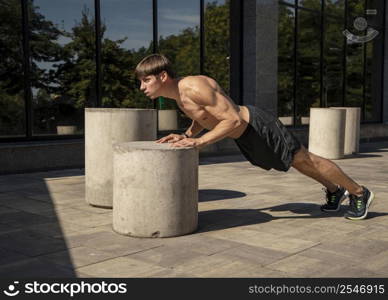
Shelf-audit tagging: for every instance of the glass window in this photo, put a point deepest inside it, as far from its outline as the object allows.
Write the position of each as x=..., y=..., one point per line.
x=288, y=1
x=179, y=34
x=62, y=43
x=333, y=54
x=217, y=48
x=127, y=34
x=354, y=75
x=354, y=57
x=12, y=104
x=374, y=57
x=179, y=40
x=335, y=8
x=311, y=4
x=286, y=67
x=308, y=65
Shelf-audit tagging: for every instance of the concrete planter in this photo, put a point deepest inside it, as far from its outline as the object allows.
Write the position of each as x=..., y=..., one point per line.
x=103, y=128
x=66, y=129
x=168, y=119
x=155, y=190
x=287, y=121
x=305, y=120
x=327, y=132
x=352, y=129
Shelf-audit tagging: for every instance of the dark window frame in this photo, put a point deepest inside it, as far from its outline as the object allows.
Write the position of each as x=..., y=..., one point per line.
x=323, y=15
x=235, y=62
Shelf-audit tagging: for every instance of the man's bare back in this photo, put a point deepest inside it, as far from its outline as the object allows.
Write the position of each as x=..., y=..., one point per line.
x=192, y=87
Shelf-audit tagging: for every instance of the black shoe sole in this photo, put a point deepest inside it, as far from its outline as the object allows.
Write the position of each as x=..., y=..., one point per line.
x=370, y=199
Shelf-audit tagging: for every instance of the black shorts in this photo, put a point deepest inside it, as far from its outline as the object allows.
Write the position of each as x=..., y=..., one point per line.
x=266, y=143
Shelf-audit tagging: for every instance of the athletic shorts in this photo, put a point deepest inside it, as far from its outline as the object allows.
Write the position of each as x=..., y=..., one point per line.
x=266, y=143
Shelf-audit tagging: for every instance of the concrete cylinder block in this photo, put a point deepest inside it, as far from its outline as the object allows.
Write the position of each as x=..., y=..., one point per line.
x=155, y=190
x=168, y=119
x=64, y=130
x=352, y=129
x=103, y=128
x=327, y=132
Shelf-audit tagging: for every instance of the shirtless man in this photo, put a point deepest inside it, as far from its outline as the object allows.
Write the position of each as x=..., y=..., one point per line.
x=261, y=137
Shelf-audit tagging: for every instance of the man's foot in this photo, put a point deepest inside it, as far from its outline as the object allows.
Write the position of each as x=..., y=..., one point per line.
x=333, y=200
x=359, y=205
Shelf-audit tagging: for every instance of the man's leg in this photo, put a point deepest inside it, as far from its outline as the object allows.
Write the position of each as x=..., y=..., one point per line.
x=330, y=175
x=324, y=171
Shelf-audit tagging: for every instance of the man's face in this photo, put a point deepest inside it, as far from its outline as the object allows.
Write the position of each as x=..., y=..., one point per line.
x=150, y=85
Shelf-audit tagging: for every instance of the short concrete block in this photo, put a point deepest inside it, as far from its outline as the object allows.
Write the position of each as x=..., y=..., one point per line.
x=155, y=189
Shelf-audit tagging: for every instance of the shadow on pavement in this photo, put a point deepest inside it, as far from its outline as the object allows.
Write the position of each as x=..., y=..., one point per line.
x=219, y=219
x=30, y=229
x=205, y=195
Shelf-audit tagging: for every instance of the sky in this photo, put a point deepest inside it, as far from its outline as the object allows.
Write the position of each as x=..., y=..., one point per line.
x=127, y=18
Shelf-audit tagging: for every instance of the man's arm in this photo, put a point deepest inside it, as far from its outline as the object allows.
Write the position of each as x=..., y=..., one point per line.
x=194, y=129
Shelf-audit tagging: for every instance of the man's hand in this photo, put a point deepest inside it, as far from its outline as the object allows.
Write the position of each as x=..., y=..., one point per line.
x=171, y=138
x=188, y=142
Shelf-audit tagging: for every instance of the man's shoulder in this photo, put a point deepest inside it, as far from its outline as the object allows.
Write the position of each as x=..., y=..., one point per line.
x=194, y=79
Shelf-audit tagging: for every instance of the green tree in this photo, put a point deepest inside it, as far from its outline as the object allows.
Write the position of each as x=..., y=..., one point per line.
x=217, y=43
x=76, y=75
x=43, y=47
x=285, y=60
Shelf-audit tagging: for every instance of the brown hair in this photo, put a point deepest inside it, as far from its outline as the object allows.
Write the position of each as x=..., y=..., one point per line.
x=154, y=64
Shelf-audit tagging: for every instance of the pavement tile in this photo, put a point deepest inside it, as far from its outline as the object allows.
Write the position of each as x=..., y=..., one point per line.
x=357, y=248
x=256, y=255
x=377, y=263
x=352, y=272
x=299, y=265
x=170, y=273
x=35, y=268
x=121, y=267
x=23, y=219
x=220, y=265
x=57, y=229
x=28, y=205
x=77, y=257
x=84, y=218
x=111, y=242
x=165, y=256
x=5, y=228
x=201, y=243
x=252, y=223
x=31, y=243
x=8, y=256
x=83, y=206
x=265, y=240
x=6, y=210
x=58, y=198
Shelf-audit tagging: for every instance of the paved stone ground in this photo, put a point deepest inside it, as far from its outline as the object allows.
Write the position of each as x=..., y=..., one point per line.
x=252, y=223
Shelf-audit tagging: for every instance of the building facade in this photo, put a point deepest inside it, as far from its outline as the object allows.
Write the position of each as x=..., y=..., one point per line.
x=286, y=56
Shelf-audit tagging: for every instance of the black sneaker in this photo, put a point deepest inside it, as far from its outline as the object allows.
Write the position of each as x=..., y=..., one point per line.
x=359, y=205
x=333, y=200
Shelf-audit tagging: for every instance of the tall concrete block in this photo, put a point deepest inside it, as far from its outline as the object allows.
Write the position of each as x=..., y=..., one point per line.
x=352, y=129
x=103, y=128
x=155, y=189
x=327, y=132
x=167, y=119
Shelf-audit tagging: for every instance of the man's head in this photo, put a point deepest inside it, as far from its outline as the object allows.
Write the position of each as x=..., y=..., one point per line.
x=153, y=71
